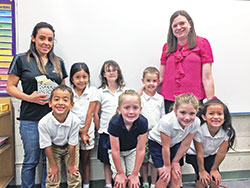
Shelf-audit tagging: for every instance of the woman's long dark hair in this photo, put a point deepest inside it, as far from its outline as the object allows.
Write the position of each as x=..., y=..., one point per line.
x=172, y=40
x=227, y=125
x=51, y=56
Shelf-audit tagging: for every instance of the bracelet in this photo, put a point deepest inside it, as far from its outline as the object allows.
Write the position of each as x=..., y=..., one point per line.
x=85, y=133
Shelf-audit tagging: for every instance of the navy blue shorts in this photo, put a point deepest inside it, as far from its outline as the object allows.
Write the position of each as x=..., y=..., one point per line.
x=103, y=147
x=208, y=163
x=168, y=105
x=155, y=150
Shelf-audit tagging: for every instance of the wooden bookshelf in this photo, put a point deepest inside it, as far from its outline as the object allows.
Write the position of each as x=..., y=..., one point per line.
x=7, y=149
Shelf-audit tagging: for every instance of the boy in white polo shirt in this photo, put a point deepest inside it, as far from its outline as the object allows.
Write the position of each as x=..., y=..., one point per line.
x=153, y=109
x=58, y=136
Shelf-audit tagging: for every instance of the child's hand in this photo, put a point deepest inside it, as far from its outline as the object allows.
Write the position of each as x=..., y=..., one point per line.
x=176, y=168
x=53, y=174
x=165, y=173
x=216, y=177
x=133, y=181
x=120, y=180
x=205, y=178
x=85, y=139
x=140, y=91
x=73, y=170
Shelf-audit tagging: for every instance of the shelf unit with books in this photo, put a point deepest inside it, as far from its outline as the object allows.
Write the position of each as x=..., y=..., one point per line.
x=7, y=149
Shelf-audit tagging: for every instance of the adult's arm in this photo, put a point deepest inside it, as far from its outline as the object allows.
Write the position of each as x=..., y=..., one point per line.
x=12, y=89
x=207, y=80
x=162, y=71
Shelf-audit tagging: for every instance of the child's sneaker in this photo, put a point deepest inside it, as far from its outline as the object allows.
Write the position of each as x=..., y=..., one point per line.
x=146, y=185
x=107, y=186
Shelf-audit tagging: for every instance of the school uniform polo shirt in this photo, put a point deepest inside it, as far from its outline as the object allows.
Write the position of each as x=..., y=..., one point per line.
x=170, y=126
x=127, y=139
x=52, y=131
x=109, y=104
x=210, y=143
x=81, y=105
x=27, y=71
x=152, y=108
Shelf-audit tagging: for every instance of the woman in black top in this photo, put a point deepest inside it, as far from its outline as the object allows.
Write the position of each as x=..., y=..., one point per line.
x=26, y=67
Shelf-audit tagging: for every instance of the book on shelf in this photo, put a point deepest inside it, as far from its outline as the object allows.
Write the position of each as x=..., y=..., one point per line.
x=3, y=140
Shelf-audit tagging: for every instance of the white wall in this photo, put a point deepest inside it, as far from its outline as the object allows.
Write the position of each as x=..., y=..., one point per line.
x=132, y=32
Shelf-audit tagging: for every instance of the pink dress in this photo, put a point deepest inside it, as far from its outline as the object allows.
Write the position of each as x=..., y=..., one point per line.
x=183, y=71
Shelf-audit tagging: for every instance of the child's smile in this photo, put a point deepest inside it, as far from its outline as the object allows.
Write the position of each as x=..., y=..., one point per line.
x=60, y=104
x=60, y=107
x=150, y=82
x=110, y=73
x=214, y=115
x=80, y=80
x=130, y=109
x=185, y=114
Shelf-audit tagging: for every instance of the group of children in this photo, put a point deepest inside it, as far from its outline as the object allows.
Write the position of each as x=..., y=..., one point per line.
x=135, y=133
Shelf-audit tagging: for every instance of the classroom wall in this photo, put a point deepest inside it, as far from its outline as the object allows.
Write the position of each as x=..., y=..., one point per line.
x=133, y=33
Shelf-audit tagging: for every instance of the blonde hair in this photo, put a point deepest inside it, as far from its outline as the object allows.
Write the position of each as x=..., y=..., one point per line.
x=151, y=70
x=129, y=92
x=186, y=98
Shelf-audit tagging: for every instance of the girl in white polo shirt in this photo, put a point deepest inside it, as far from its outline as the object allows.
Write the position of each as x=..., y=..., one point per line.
x=112, y=86
x=171, y=138
x=84, y=99
x=211, y=143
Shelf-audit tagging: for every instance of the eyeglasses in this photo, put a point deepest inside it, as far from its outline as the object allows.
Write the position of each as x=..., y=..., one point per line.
x=110, y=71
